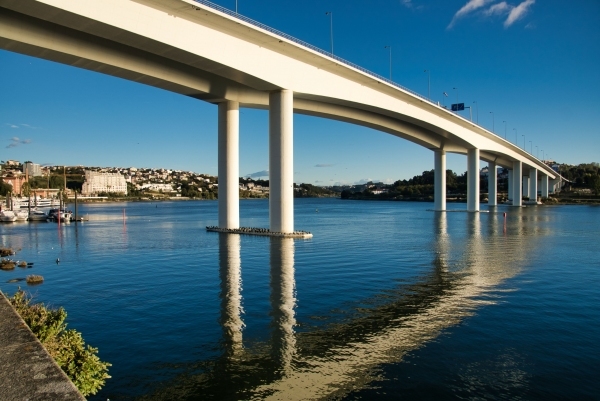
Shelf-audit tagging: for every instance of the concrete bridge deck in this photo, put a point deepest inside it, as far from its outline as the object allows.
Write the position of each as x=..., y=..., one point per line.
x=27, y=371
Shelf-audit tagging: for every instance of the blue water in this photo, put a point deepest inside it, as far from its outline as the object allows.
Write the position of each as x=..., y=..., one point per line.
x=387, y=301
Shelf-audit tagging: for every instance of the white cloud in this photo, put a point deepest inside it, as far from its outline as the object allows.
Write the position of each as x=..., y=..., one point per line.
x=498, y=9
x=16, y=141
x=471, y=6
x=518, y=12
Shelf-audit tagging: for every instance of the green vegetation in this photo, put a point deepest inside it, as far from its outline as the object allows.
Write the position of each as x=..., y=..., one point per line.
x=312, y=191
x=5, y=188
x=67, y=347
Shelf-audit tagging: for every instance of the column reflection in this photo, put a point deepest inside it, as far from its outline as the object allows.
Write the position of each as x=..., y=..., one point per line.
x=231, y=288
x=283, y=302
x=442, y=239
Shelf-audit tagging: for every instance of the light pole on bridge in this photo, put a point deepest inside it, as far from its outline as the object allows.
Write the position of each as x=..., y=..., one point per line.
x=330, y=28
x=456, y=89
x=543, y=158
x=236, y=10
x=523, y=135
x=504, y=129
x=493, y=128
x=531, y=148
x=428, y=84
x=537, y=152
x=476, y=110
x=390, y=47
x=516, y=136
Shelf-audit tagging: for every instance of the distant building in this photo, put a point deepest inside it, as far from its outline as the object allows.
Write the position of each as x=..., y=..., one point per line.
x=32, y=169
x=96, y=182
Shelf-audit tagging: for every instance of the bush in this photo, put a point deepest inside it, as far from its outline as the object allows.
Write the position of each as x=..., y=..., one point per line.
x=67, y=347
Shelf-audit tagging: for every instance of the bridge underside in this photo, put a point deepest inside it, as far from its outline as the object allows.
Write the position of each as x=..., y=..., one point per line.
x=204, y=54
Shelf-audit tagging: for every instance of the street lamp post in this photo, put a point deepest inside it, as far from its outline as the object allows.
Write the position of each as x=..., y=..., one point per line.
x=523, y=135
x=470, y=112
x=236, y=6
x=390, y=47
x=445, y=95
x=543, y=157
x=493, y=128
x=330, y=28
x=504, y=129
x=456, y=89
x=477, y=111
x=537, y=152
x=516, y=136
x=428, y=84
x=530, y=148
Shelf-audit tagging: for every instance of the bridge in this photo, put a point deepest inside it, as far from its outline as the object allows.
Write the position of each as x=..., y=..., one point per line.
x=201, y=50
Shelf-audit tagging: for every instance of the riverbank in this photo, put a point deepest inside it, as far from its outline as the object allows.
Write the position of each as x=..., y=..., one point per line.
x=28, y=371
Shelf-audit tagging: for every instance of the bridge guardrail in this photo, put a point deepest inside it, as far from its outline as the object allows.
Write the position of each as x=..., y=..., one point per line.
x=312, y=47
x=331, y=55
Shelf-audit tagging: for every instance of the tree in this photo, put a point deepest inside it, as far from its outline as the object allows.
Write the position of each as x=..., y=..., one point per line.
x=5, y=188
x=26, y=189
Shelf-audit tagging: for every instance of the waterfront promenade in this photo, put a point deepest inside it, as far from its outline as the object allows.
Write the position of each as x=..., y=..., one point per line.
x=28, y=371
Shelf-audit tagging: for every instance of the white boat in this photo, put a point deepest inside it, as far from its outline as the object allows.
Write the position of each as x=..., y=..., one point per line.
x=37, y=202
x=62, y=215
x=22, y=215
x=7, y=216
x=38, y=215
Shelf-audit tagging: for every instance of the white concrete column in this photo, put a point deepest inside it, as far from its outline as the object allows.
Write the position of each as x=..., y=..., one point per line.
x=510, y=185
x=439, y=179
x=525, y=186
x=517, y=182
x=532, y=184
x=281, y=161
x=473, y=180
x=544, y=188
x=229, y=165
x=492, y=184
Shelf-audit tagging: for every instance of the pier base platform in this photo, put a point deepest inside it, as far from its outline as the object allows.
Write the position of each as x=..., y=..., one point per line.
x=260, y=231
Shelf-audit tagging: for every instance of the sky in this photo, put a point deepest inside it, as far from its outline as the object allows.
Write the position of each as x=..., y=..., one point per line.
x=529, y=69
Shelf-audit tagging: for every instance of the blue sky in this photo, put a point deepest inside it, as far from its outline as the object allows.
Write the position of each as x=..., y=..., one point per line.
x=534, y=64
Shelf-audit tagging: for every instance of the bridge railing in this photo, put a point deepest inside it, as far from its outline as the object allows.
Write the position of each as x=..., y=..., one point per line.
x=328, y=54
x=312, y=47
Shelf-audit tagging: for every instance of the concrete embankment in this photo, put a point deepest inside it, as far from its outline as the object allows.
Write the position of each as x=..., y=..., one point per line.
x=27, y=371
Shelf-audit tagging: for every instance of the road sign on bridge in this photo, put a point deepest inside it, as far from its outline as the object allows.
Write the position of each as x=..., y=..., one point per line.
x=458, y=106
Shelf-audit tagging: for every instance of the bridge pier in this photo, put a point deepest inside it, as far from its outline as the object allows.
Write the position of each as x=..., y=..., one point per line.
x=544, y=186
x=439, y=180
x=532, y=184
x=492, y=184
x=525, y=186
x=281, y=161
x=473, y=180
x=229, y=165
x=517, y=183
x=510, y=185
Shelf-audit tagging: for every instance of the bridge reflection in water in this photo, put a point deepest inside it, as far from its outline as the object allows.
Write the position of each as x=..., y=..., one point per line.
x=346, y=356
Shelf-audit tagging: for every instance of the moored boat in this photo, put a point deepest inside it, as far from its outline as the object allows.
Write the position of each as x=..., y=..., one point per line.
x=22, y=215
x=8, y=216
x=60, y=214
x=38, y=215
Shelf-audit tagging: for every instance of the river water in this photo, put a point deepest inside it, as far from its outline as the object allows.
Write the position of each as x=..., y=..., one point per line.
x=388, y=300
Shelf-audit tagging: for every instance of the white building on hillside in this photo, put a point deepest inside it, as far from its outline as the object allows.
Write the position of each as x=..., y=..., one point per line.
x=32, y=169
x=96, y=182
